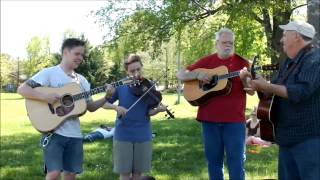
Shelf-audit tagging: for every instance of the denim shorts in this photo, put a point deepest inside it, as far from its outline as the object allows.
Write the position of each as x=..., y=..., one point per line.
x=131, y=157
x=62, y=154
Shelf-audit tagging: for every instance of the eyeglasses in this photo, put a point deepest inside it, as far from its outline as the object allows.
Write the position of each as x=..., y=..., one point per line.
x=227, y=43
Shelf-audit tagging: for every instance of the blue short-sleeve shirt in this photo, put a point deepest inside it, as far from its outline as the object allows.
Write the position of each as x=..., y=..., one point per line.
x=135, y=126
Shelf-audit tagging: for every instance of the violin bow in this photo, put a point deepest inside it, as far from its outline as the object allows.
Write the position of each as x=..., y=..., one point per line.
x=145, y=93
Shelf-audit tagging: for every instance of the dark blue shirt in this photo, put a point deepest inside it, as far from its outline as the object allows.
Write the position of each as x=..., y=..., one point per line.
x=298, y=116
x=135, y=126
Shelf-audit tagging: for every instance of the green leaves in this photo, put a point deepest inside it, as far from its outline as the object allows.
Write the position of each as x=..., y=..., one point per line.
x=149, y=24
x=7, y=69
x=38, y=53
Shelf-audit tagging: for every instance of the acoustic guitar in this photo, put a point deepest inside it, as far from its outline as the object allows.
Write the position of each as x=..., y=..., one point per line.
x=264, y=111
x=46, y=117
x=197, y=93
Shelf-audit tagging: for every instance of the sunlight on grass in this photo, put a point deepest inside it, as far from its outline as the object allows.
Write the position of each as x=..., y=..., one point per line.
x=177, y=147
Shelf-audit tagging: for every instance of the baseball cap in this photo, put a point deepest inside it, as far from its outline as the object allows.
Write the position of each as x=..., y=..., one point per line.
x=301, y=27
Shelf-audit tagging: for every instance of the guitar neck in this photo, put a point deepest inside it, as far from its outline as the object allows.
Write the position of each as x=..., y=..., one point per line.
x=237, y=73
x=229, y=75
x=94, y=91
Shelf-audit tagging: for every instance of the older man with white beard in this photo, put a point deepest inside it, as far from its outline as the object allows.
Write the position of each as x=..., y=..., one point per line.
x=222, y=117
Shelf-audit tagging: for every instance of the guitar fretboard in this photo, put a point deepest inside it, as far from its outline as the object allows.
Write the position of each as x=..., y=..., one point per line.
x=229, y=75
x=94, y=91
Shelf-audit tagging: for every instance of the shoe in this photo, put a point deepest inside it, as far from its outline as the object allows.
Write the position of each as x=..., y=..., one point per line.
x=147, y=178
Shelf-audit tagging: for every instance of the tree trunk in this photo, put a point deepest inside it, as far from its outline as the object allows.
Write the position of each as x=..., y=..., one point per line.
x=274, y=33
x=313, y=18
x=178, y=66
x=166, y=82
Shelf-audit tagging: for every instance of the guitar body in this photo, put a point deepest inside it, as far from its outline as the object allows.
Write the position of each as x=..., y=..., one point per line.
x=264, y=113
x=196, y=94
x=46, y=117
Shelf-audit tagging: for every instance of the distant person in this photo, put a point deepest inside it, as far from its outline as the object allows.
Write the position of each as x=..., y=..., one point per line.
x=103, y=132
x=253, y=131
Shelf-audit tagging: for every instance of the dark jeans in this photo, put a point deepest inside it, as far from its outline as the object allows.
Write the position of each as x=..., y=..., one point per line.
x=224, y=137
x=302, y=161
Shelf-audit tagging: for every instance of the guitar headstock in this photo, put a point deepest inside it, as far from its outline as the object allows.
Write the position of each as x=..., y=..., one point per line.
x=270, y=67
x=253, y=70
x=267, y=67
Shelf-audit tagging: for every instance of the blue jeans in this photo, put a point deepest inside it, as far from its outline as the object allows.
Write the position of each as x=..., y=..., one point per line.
x=224, y=137
x=301, y=161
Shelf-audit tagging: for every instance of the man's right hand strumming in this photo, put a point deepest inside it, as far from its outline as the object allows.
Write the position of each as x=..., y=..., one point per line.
x=203, y=77
x=51, y=98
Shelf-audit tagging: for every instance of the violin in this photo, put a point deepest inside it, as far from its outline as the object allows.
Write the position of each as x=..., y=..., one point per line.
x=152, y=97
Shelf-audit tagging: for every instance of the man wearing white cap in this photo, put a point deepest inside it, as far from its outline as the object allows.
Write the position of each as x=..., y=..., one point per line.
x=296, y=105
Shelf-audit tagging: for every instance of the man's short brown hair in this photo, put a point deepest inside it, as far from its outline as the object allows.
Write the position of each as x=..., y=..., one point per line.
x=132, y=59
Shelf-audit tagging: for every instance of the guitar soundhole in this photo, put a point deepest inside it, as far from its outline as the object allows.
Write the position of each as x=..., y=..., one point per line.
x=67, y=100
x=213, y=83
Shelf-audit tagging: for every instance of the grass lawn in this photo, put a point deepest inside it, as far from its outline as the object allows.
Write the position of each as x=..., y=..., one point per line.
x=177, y=147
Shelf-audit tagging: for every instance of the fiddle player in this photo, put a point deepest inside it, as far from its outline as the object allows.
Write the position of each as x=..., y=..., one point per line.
x=132, y=145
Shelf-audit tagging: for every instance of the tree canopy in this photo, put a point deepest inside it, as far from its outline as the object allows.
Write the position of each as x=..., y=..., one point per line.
x=143, y=25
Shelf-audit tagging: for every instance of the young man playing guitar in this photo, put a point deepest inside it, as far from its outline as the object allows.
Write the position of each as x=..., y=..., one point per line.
x=296, y=104
x=222, y=117
x=62, y=149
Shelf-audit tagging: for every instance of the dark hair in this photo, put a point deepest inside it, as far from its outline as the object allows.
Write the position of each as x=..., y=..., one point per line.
x=71, y=43
x=132, y=59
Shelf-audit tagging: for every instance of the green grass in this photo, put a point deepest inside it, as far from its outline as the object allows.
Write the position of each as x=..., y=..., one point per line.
x=177, y=148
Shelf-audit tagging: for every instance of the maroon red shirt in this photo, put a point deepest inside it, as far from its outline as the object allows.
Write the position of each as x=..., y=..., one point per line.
x=226, y=108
